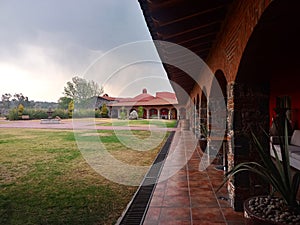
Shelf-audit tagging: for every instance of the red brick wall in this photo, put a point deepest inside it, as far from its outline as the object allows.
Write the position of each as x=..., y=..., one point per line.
x=237, y=29
x=226, y=55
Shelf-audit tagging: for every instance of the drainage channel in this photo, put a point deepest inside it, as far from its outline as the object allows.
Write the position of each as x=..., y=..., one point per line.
x=137, y=208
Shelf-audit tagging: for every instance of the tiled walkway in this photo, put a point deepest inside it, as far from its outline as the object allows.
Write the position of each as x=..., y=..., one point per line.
x=189, y=197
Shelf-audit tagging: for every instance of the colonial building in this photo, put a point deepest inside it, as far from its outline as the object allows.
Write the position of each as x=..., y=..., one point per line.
x=163, y=105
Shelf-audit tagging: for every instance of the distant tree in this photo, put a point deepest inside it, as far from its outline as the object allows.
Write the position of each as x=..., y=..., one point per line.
x=19, y=98
x=71, y=108
x=63, y=102
x=20, y=110
x=140, y=111
x=104, y=111
x=6, y=100
x=82, y=90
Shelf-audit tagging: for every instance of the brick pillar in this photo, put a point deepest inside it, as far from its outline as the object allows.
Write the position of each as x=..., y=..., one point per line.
x=248, y=110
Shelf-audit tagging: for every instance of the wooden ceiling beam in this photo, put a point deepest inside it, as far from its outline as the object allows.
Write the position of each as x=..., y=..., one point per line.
x=184, y=32
x=170, y=21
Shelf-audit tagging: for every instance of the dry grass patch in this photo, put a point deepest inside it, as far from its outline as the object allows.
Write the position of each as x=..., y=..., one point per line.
x=45, y=180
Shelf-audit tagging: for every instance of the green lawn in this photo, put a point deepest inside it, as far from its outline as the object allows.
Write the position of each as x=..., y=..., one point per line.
x=154, y=122
x=45, y=180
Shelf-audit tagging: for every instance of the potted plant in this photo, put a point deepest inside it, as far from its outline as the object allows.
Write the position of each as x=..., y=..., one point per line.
x=281, y=206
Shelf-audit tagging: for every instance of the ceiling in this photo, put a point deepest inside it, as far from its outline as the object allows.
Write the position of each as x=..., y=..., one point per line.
x=193, y=24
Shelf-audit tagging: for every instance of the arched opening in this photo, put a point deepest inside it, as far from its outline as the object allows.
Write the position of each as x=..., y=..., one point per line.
x=164, y=112
x=114, y=113
x=269, y=68
x=144, y=113
x=202, y=122
x=193, y=115
x=153, y=113
x=217, y=117
x=203, y=114
x=173, y=115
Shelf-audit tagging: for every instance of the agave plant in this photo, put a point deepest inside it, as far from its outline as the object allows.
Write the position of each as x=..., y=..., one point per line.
x=275, y=172
x=204, y=130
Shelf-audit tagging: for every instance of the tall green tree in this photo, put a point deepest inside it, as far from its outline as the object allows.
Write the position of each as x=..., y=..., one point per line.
x=19, y=98
x=63, y=102
x=81, y=90
x=6, y=100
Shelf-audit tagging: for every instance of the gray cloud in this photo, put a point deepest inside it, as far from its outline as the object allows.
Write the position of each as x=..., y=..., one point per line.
x=61, y=38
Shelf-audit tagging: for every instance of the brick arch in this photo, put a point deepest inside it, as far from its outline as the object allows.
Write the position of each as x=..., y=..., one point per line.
x=227, y=52
x=220, y=78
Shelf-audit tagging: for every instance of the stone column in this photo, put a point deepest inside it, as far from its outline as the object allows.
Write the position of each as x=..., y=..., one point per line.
x=248, y=111
x=158, y=113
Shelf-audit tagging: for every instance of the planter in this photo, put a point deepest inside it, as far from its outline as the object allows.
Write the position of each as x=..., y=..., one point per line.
x=267, y=210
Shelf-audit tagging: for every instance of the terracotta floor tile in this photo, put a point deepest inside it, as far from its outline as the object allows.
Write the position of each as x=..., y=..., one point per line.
x=236, y=223
x=181, y=172
x=175, y=213
x=157, y=201
x=207, y=214
x=149, y=222
x=197, y=191
x=178, y=201
x=202, y=222
x=177, y=192
x=231, y=215
x=202, y=194
x=173, y=183
x=200, y=184
x=189, y=190
x=175, y=222
x=197, y=175
x=200, y=202
x=153, y=214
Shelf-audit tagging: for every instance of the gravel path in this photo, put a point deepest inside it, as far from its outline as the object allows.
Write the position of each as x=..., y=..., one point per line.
x=76, y=124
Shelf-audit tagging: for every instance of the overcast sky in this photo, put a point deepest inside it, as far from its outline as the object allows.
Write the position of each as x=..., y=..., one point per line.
x=44, y=43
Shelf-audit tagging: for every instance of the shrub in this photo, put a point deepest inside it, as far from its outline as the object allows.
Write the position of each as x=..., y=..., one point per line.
x=123, y=113
x=104, y=111
x=140, y=111
x=61, y=113
x=71, y=108
x=97, y=113
x=13, y=114
x=39, y=114
x=20, y=110
x=82, y=113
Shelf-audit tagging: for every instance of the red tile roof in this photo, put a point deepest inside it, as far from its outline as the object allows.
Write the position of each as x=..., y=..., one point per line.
x=145, y=99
